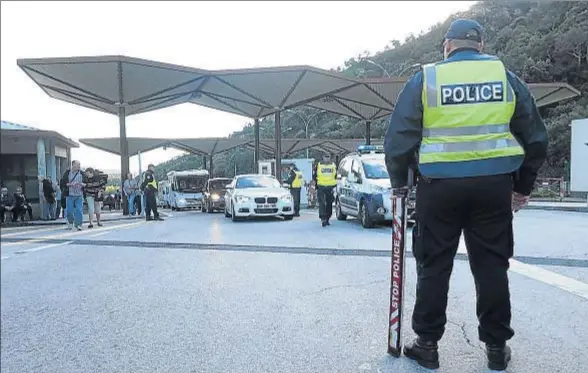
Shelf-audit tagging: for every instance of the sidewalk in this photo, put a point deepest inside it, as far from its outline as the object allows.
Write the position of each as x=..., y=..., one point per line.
x=105, y=216
x=558, y=206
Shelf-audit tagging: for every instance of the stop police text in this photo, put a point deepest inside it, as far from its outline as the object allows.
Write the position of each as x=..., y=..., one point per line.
x=474, y=93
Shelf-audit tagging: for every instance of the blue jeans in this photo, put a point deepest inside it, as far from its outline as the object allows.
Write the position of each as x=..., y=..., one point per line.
x=131, y=201
x=73, y=206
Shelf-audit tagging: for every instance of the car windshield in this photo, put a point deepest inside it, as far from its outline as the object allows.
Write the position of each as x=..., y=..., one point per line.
x=375, y=169
x=187, y=184
x=257, y=182
x=219, y=184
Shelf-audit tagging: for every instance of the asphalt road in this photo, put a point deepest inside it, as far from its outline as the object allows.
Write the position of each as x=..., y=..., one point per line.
x=198, y=293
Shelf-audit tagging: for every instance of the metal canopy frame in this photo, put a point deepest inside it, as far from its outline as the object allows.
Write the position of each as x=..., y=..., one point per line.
x=125, y=86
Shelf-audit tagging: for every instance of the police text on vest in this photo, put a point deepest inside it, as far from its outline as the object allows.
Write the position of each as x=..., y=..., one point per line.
x=474, y=93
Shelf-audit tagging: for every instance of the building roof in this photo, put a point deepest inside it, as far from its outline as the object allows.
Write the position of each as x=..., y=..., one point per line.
x=10, y=129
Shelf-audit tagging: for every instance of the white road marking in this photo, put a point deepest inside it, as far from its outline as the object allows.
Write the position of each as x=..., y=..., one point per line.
x=4, y=258
x=42, y=247
x=550, y=278
x=540, y=274
x=69, y=234
x=99, y=234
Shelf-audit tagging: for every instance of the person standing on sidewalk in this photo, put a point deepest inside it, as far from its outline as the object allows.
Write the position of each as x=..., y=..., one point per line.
x=73, y=180
x=149, y=187
x=130, y=189
x=480, y=142
x=94, y=191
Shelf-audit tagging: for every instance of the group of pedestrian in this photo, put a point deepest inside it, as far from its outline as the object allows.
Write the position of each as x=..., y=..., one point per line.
x=17, y=204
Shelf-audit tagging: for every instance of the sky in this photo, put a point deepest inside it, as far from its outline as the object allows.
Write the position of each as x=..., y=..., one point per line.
x=208, y=35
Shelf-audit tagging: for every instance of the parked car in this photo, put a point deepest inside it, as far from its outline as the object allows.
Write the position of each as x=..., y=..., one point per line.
x=214, y=194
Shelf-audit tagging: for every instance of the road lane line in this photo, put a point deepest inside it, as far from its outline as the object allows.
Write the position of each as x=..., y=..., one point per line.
x=42, y=247
x=99, y=234
x=546, y=276
x=550, y=278
x=68, y=234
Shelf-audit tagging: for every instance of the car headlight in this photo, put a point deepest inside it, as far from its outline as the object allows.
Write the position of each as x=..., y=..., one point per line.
x=286, y=197
x=182, y=201
x=241, y=199
x=215, y=197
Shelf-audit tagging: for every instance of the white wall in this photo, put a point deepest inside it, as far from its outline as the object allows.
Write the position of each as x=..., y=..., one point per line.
x=579, y=156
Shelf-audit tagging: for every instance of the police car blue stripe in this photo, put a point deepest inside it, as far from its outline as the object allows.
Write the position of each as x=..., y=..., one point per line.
x=465, y=131
x=468, y=146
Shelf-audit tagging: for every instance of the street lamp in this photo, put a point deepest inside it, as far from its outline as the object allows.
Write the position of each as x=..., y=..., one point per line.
x=306, y=121
x=371, y=62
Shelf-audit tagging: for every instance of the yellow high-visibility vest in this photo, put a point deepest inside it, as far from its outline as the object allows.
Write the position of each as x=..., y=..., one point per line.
x=326, y=174
x=467, y=108
x=297, y=183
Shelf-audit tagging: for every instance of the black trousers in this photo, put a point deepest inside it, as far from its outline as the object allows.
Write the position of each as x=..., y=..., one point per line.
x=295, y=192
x=19, y=211
x=325, y=200
x=150, y=203
x=481, y=208
x=137, y=203
x=3, y=211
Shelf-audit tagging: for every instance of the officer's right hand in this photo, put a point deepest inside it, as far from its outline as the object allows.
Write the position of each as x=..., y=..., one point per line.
x=519, y=201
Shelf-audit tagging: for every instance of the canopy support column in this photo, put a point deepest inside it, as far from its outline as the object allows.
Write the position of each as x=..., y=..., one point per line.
x=124, y=155
x=204, y=162
x=124, y=144
x=278, y=155
x=211, y=168
x=368, y=133
x=256, y=150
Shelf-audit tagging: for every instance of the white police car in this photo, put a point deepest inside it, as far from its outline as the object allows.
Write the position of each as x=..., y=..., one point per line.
x=363, y=187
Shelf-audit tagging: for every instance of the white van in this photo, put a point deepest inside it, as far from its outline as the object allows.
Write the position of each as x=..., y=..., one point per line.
x=186, y=189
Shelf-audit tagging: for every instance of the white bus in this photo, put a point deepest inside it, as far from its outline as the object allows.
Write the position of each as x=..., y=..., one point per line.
x=186, y=189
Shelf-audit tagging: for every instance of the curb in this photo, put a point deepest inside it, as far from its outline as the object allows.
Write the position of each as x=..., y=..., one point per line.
x=41, y=223
x=558, y=208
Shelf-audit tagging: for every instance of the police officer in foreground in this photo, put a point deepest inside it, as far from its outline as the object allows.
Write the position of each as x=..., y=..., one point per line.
x=480, y=142
x=149, y=187
x=295, y=180
x=325, y=176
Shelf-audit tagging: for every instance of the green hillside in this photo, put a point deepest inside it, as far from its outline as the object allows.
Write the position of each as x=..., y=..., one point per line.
x=540, y=42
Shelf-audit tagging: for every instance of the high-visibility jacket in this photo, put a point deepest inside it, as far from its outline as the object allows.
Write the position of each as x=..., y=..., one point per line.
x=467, y=108
x=150, y=180
x=326, y=174
x=297, y=183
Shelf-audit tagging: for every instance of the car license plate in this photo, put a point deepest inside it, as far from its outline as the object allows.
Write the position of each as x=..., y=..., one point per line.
x=266, y=206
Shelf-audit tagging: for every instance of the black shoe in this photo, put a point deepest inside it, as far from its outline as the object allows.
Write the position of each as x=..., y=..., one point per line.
x=324, y=223
x=328, y=223
x=90, y=226
x=498, y=356
x=148, y=218
x=423, y=352
x=159, y=219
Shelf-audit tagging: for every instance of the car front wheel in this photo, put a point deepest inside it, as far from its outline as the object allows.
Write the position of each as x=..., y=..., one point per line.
x=340, y=215
x=364, y=215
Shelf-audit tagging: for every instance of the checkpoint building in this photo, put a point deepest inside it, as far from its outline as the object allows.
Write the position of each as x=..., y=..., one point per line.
x=27, y=153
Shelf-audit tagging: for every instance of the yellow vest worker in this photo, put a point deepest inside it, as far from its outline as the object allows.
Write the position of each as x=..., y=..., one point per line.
x=297, y=183
x=326, y=174
x=480, y=141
